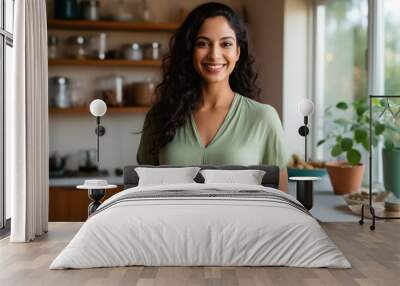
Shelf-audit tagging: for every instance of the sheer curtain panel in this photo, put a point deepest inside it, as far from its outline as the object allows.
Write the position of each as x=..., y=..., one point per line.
x=27, y=124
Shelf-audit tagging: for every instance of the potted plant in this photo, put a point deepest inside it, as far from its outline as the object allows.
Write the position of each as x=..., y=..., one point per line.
x=348, y=137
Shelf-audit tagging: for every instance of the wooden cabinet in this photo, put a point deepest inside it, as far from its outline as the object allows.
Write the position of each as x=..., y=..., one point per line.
x=70, y=204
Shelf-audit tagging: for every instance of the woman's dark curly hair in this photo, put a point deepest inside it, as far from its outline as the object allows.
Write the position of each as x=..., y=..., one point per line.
x=179, y=92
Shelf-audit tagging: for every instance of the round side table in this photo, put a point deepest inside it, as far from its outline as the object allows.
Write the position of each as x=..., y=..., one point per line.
x=96, y=191
x=305, y=190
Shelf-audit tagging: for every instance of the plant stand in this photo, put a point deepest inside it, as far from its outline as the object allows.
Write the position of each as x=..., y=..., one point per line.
x=369, y=205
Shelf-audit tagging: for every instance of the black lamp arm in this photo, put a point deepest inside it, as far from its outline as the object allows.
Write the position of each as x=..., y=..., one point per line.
x=100, y=131
x=303, y=131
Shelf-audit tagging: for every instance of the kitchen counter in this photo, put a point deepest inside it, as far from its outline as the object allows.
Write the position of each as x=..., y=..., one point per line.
x=75, y=181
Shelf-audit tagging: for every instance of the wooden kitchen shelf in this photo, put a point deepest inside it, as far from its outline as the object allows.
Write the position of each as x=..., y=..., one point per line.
x=85, y=110
x=94, y=62
x=110, y=25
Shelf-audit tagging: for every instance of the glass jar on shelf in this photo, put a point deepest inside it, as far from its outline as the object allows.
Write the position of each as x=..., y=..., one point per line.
x=145, y=13
x=122, y=12
x=65, y=9
x=78, y=47
x=90, y=10
x=52, y=47
x=110, y=89
x=59, y=92
x=98, y=45
x=152, y=51
x=80, y=93
x=133, y=52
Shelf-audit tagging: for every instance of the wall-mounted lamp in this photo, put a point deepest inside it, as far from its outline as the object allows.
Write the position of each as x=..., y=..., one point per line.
x=98, y=108
x=304, y=185
x=305, y=108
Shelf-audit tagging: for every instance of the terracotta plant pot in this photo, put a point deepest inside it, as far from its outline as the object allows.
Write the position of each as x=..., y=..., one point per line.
x=344, y=177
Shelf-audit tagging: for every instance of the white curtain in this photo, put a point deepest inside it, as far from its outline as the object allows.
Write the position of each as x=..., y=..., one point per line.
x=27, y=124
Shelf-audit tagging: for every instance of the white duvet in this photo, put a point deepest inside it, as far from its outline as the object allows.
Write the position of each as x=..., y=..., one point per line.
x=200, y=231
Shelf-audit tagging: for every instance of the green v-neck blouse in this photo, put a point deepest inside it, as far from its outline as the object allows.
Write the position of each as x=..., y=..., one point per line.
x=251, y=134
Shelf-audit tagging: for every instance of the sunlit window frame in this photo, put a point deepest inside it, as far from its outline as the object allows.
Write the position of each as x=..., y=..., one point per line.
x=6, y=39
x=375, y=61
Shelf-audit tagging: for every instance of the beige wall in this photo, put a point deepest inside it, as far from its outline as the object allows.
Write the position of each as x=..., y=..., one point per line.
x=266, y=22
x=280, y=34
x=296, y=66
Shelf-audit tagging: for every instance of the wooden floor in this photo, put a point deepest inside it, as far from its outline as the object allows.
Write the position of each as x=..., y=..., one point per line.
x=375, y=257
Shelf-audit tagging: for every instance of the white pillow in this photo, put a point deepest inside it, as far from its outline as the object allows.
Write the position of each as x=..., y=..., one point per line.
x=248, y=177
x=164, y=176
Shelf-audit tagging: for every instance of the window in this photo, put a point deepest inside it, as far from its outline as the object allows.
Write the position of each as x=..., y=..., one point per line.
x=392, y=46
x=341, y=40
x=340, y=61
x=6, y=43
x=9, y=13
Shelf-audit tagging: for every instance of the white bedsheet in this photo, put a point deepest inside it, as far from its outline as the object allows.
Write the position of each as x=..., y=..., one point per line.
x=200, y=231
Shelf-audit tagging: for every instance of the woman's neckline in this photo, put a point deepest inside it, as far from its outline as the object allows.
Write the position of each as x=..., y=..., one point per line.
x=220, y=129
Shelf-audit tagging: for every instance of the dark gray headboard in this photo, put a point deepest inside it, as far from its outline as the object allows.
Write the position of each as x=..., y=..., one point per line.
x=270, y=179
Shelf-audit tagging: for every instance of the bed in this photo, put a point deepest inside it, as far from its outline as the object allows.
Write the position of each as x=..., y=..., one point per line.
x=201, y=224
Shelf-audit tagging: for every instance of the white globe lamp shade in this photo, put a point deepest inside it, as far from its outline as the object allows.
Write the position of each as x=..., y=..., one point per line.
x=98, y=107
x=305, y=107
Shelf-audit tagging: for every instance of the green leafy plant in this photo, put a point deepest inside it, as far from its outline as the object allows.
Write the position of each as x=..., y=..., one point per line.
x=391, y=119
x=349, y=136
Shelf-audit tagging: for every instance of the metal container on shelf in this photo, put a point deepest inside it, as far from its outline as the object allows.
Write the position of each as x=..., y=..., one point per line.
x=90, y=10
x=152, y=51
x=140, y=93
x=60, y=92
x=133, y=52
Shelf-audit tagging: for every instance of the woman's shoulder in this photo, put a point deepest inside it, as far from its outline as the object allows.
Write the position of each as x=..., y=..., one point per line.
x=258, y=109
x=150, y=123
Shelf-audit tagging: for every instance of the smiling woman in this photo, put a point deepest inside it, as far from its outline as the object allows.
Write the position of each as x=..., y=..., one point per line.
x=216, y=51
x=208, y=109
